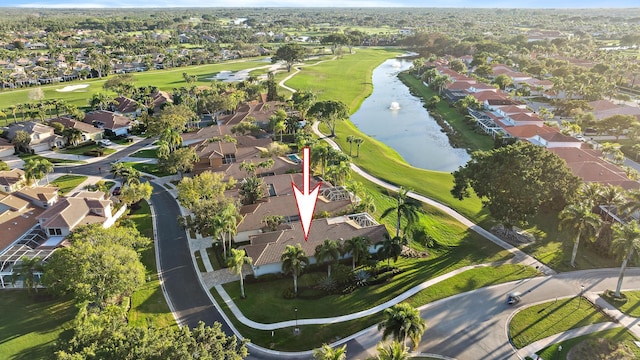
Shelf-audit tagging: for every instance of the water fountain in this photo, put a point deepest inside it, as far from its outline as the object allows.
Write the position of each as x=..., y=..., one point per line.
x=394, y=105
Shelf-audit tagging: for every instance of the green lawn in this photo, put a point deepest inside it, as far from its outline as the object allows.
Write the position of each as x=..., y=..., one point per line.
x=163, y=79
x=349, y=79
x=66, y=183
x=543, y=320
x=615, y=336
x=148, y=168
x=29, y=327
x=148, y=305
x=146, y=153
x=631, y=306
x=27, y=157
x=81, y=150
x=284, y=340
x=199, y=261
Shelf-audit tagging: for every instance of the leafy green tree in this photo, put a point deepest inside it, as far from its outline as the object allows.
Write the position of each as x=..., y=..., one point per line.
x=514, y=181
x=99, y=269
x=328, y=251
x=273, y=221
x=72, y=135
x=173, y=117
x=582, y=222
x=358, y=247
x=251, y=190
x=180, y=161
x=329, y=112
x=135, y=192
x=21, y=140
x=392, y=351
x=121, y=84
x=4, y=166
x=503, y=81
x=433, y=102
x=404, y=207
x=626, y=244
x=236, y=261
x=202, y=187
x=294, y=261
x=27, y=269
x=403, y=321
x=290, y=54
x=326, y=352
x=391, y=247
x=617, y=125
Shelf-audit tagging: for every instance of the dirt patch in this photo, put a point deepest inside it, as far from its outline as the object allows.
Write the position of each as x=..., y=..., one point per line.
x=600, y=349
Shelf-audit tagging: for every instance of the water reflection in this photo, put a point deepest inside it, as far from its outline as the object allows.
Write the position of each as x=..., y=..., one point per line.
x=405, y=125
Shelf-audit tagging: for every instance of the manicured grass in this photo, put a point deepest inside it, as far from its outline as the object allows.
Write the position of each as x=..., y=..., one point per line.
x=199, y=261
x=26, y=157
x=148, y=168
x=148, y=305
x=163, y=79
x=67, y=183
x=543, y=320
x=81, y=150
x=30, y=327
x=146, y=153
x=213, y=259
x=284, y=340
x=614, y=335
x=349, y=80
x=631, y=306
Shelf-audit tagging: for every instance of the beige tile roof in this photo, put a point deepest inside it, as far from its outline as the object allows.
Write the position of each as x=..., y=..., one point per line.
x=14, y=224
x=82, y=126
x=110, y=120
x=72, y=211
x=38, y=193
x=269, y=247
x=11, y=177
x=5, y=144
x=14, y=203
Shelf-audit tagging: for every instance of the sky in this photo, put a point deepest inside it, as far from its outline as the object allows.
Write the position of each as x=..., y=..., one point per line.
x=321, y=3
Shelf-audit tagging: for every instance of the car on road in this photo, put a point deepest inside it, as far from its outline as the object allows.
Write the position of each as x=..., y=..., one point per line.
x=581, y=138
x=513, y=298
x=105, y=142
x=116, y=191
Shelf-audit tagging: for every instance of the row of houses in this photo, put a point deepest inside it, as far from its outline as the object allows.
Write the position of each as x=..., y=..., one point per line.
x=502, y=116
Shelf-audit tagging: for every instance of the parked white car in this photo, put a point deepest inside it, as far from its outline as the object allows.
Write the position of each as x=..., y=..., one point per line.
x=105, y=142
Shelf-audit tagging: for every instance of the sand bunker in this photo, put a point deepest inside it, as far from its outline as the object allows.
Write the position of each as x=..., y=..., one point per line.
x=72, y=88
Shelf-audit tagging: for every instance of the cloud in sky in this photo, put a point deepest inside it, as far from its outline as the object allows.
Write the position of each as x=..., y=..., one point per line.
x=322, y=3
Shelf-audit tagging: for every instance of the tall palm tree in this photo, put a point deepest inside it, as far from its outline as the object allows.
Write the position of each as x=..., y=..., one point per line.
x=229, y=221
x=392, y=247
x=632, y=204
x=236, y=261
x=403, y=321
x=392, y=351
x=28, y=268
x=591, y=194
x=172, y=138
x=613, y=197
x=358, y=142
x=350, y=140
x=326, y=352
x=358, y=246
x=73, y=136
x=293, y=262
x=320, y=156
x=329, y=250
x=626, y=244
x=405, y=206
x=581, y=220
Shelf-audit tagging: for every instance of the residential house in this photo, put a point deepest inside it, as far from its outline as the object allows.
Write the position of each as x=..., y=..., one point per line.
x=89, y=132
x=602, y=109
x=6, y=148
x=267, y=248
x=43, y=137
x=127, y=107
x=159, y=99
x=555, y=140
x=40, y=196
x=84, y=207
x=112, y=123
x=12, y=180
x=17, y=216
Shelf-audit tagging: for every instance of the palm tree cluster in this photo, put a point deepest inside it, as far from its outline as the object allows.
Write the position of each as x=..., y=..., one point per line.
x=335, y=165
x=36, y=169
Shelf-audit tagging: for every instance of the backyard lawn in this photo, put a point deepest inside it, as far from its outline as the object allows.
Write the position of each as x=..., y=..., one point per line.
x=29, y=327
x=66, y=183
x=590, y=347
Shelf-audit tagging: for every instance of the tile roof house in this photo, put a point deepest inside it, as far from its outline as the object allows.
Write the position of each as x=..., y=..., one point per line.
x=16, y=217
x=127, y=107
x=111, y=122
x=603, y=109
x=40, y=196
x=159, y=98
x=82, y=208
x=12, y=180
x=555, y=139
x=43, y=137
x=266, y=248
x=89, y=132
x=6, y=148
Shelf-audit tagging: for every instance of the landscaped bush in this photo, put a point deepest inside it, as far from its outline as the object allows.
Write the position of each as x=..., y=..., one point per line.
x=327, y=284
x=362, y=277
x=94, y=152
x=289, y=293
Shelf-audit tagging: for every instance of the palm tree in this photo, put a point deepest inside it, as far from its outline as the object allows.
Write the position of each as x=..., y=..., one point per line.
x=326, y=352
x=626, y=243
x=632, y=204
x=583, y=221
x=229, y=221
x=320, y=156
x=350, y=140
x=27, y=268
x=339, y=172
x=591, y=194
x=392, y=351
x=392, y=247
x=403, y=321
x=293, y=262
x=405, y=206
x=73, y=136
x=236, y=261
x=358, y=142
x=613, y=197
x=358, y=246
x=329, y=250
x=172, y=138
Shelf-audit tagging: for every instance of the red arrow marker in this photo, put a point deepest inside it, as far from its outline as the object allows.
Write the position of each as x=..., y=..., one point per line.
x=305, y=200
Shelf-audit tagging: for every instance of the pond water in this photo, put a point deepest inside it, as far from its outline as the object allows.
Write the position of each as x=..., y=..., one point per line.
x=395, y=117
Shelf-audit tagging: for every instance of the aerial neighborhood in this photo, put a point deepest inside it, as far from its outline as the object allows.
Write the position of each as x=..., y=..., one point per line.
x=475, y=177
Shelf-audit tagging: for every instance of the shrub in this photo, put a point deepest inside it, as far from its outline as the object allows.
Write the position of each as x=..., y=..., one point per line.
x=361, y=277
x=327, y=284
x=289, y=293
